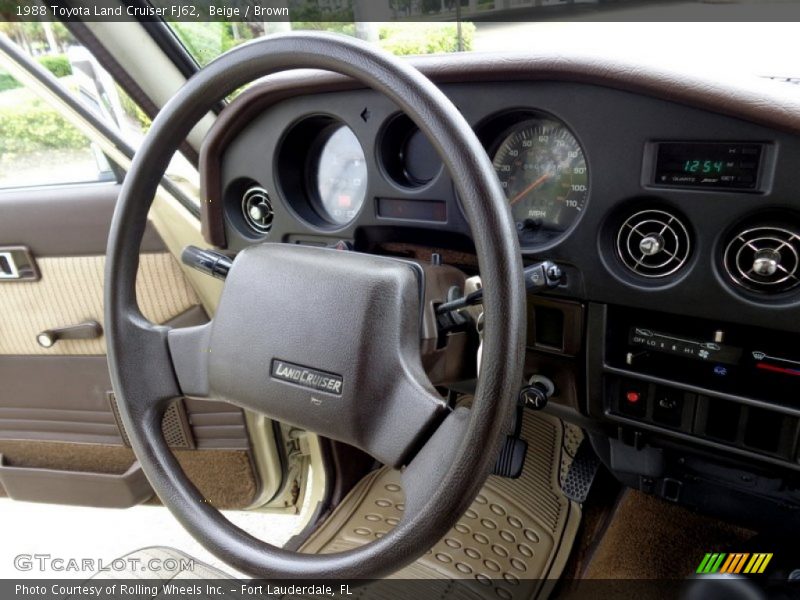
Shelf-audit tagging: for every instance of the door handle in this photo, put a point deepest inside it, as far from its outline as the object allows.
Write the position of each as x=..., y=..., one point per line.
x=88, y=330
x=17, y=264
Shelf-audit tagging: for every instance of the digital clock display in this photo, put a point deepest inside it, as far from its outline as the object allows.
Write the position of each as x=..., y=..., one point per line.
x=708, y=165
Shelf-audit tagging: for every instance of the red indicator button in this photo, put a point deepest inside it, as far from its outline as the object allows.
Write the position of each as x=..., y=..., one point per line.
x=633, y=397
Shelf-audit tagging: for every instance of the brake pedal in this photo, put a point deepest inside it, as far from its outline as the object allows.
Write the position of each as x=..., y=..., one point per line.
x=512, y=458
x=581, y=473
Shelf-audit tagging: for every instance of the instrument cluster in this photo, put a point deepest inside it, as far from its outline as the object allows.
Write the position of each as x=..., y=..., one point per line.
x=324, y=166
x=654, y=202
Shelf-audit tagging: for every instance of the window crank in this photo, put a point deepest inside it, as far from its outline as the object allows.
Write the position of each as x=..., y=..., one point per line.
x=88, y=330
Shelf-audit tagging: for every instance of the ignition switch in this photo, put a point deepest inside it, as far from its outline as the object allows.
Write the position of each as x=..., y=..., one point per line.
x=536, y=393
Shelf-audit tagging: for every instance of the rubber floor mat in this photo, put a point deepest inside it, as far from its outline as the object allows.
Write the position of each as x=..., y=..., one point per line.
x=515, y=538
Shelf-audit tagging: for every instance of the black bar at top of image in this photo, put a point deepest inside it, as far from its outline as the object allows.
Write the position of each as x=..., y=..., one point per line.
x=327, y=11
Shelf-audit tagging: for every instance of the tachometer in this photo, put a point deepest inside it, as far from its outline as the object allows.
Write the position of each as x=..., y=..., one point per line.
x=543, y=171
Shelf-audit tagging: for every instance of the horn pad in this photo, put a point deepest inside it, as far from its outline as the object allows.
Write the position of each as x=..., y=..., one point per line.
x=325, y=340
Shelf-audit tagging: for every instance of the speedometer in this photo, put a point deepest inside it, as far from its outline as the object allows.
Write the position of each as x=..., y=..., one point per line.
x=543, y=171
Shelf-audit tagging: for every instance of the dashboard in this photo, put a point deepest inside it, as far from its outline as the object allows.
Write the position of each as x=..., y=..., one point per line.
x=677, y=228
x=582, y=166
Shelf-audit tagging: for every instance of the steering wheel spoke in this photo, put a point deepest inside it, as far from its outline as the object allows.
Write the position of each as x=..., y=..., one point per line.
x=395, y=426
x=424, y=474
x=146, y=384
x=189, y=349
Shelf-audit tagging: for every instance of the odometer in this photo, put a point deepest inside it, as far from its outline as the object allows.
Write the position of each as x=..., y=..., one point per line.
x=543, y=171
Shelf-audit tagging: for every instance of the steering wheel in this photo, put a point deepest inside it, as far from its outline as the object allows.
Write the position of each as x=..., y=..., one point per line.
x=323, y=339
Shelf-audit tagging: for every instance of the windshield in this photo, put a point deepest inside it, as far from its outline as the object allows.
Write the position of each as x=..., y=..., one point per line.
x=629, y=29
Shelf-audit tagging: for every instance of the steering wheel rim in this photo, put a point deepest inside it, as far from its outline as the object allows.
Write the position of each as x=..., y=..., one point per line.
x=444, y=477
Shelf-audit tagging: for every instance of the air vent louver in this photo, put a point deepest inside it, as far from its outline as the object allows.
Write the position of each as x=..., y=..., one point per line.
x=765, y=259
x=653, y=243
x=257, y=210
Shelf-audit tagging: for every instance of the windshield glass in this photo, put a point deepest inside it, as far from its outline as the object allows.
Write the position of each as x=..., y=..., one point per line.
x=629, y=28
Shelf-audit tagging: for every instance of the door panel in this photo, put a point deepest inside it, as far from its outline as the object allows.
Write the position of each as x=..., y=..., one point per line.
x=56, y=410
x=68, y=220
x=56, y=398
x=224, y=477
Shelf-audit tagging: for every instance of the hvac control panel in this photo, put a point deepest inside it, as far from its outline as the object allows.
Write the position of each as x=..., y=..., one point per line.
x=734, y=359
x=725, y=383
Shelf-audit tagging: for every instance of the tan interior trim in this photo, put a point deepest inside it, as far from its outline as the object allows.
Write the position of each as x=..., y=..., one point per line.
x=178, y=228
x=135, y=50
x=70, y=291
x=269, y=470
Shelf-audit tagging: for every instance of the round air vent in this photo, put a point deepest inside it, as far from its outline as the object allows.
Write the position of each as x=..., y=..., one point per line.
x=764, y=259
x=257, y=210
x=653, y=243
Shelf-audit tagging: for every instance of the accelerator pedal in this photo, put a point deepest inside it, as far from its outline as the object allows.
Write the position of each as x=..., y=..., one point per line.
x=579, y=478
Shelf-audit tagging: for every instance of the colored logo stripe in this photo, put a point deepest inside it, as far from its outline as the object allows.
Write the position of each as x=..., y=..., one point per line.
x=734, y=563
x=711, y=563
x=721, y=562
x=758, y=563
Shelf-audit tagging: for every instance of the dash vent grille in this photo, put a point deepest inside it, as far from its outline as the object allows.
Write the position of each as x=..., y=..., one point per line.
x=764, y=259
x=257, y=210
x=653, y=243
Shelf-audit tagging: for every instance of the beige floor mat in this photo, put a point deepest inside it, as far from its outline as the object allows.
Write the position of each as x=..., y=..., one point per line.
x=515, y=538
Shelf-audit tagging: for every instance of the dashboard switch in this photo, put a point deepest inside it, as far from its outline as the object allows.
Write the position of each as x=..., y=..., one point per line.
x=632, y=398
x=542, y=276
x=668, y=407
